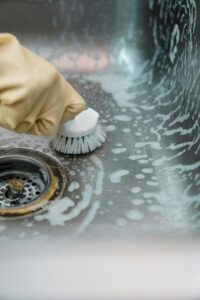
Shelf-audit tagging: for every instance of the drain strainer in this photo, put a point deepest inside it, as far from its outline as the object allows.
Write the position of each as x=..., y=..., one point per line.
x=29, y=179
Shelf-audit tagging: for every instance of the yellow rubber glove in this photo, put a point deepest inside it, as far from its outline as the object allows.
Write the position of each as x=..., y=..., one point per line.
x=34, y=97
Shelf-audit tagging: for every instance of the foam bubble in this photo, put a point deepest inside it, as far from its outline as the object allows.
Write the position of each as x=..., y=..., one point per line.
x=152, y=183
x=89, y=218
x=137, y=201
x=110, y=128
x=30, y=224
x=100, y=174
x=116, y=176
x=119, y=150
x=136, y=190
x=134, y=215
x=126, y=130
x=136, y=157
x=147, y=170
x=123, y=118
x=74, y=185
x=55, y=212
x=139, y=176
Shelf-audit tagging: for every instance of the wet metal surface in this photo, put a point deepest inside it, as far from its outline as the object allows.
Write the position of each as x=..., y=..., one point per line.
x=137, y=64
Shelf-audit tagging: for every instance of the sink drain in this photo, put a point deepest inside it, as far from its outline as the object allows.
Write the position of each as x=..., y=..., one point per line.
x=29, y=179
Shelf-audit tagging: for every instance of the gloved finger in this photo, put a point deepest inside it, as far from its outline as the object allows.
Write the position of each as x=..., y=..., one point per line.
x=47, y=124
x=44, y=123
x=50, y=115
x=73, y=102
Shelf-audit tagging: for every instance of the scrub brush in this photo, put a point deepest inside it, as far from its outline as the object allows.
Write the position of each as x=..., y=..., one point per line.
x=81, y=135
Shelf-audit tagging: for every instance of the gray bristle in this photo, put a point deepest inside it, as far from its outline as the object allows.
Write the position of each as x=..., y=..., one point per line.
x=80, y=145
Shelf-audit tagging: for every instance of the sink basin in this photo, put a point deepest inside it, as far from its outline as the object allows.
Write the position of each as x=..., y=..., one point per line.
x=137, y=64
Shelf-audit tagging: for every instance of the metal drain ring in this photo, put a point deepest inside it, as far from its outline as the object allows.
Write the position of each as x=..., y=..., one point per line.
x=29, y=179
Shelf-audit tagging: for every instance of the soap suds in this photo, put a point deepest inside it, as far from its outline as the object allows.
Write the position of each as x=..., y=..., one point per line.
x=143, y=161
x=55, y=212
x=147, y=170
x=110, y=202
x=139, y=176
x=72, y=173
x=137, y=201
x=116, y=177
x=100, y=175
x=82, y=173
x=116, y=84
x=30, y=224
x=152, y=183
x=89, y=218
x=119, y=150
x=110, y=128
x=74, y=185
x=123, y=118
x=136, y=190
x=126, y=130
x=136, y=157
x=134, y=215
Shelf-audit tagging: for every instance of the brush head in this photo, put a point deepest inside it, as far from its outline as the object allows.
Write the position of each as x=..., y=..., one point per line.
x=81, y=135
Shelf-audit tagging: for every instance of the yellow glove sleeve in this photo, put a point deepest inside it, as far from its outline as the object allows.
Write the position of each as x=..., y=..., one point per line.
x=34, y=97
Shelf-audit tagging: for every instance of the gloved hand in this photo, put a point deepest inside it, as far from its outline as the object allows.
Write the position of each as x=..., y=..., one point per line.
x=34, y=97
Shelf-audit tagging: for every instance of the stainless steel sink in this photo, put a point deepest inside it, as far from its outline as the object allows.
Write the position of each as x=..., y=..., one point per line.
x=137, y=63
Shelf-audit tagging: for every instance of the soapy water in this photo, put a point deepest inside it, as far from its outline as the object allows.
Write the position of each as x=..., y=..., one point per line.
x=137, y=202
x=123, y=118
x=84, y=185
x=134, y=215
x=116, y=176
x=118, y=150
x=150, y=160
x=57, y=215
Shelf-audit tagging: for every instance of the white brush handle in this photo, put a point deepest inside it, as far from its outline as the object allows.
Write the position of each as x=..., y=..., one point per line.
x=83, y=124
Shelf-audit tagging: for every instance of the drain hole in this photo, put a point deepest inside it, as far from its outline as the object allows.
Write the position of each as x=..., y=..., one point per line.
x=31, y=189
x=38, y=175
x=8, y=196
